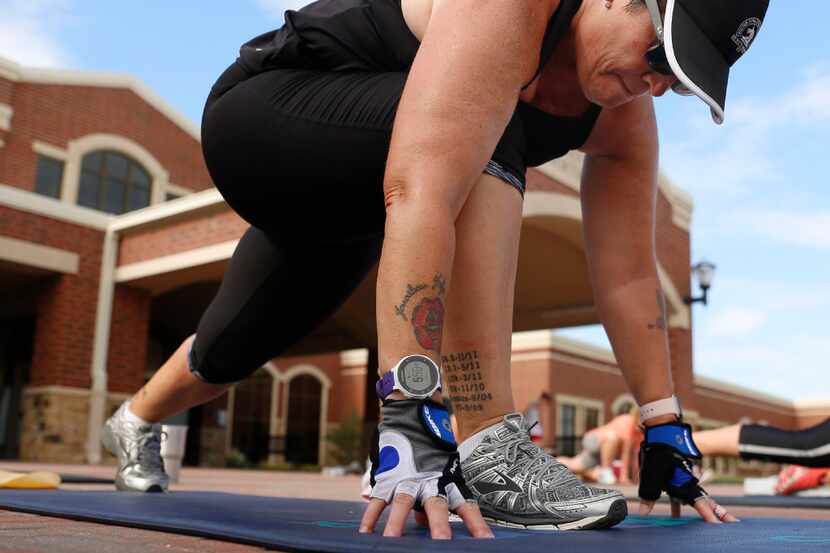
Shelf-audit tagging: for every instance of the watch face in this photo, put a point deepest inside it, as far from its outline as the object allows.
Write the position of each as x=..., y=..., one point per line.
x=418, y=375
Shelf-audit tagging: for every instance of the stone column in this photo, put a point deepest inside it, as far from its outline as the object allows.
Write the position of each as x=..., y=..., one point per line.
x=56, y=403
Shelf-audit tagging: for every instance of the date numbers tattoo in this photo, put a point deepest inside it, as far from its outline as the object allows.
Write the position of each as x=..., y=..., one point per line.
x=465, y=383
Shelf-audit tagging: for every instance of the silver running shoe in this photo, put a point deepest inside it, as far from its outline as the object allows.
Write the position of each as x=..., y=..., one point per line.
x=519, y=485
x=138, y=448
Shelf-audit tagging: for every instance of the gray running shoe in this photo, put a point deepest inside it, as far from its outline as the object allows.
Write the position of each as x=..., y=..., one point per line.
x=138, y=448
x=519, y=485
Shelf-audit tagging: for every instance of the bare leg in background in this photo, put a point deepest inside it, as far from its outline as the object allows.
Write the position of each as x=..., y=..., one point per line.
x=173, y=389
x=721, y=441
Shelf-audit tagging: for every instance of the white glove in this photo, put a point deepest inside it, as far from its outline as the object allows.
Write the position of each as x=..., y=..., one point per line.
x=416, y=454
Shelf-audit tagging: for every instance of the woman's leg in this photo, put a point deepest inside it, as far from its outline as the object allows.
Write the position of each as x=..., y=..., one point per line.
x=270, y=298
x=476, y=359
x=300, y=155
x=477, y=330
x=173, y=388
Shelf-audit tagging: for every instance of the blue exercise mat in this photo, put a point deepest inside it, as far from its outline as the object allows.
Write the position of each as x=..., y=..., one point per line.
x=775, y=501
x=331, y=526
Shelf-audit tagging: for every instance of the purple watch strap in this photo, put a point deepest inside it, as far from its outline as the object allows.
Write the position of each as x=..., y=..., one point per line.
x=385, y=385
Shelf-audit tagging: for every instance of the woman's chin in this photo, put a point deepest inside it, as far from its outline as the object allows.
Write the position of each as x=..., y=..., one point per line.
x=608, y=92
x=610, y=99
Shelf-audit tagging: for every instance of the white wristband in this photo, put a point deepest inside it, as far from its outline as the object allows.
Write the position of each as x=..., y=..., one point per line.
x=668, y=406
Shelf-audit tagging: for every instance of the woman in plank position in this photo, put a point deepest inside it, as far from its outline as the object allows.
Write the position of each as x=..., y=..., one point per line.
x=400, y=131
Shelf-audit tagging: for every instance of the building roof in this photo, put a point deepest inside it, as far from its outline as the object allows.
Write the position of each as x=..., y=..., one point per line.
x=568, y=171
x=74, y=77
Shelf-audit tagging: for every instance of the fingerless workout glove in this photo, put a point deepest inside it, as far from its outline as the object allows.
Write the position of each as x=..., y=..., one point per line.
x=414, y=452
x=666, y=459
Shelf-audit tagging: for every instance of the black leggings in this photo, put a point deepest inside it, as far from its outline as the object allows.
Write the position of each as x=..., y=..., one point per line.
x=299, y=154
x=809, y=447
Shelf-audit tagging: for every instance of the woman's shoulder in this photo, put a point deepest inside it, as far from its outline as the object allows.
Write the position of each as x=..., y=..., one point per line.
x=417, y=13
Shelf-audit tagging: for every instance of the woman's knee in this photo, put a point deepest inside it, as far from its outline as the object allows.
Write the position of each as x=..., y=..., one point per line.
x=215, y=369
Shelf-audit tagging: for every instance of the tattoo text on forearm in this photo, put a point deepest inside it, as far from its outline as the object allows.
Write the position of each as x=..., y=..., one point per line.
x=468, y=392
x=400, y=310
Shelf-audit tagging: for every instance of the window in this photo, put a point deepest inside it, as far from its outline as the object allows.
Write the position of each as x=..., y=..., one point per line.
x=591, y=418
x=113, y=182
x=566, y=439
x=49, y=176
x=576, y=416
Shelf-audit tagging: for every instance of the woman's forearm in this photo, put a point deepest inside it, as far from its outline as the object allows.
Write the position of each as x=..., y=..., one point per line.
x=618, y=197
x=413, y=277
x=634, y=316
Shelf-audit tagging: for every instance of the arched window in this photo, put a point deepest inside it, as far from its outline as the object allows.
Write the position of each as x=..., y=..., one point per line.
x=113, y=182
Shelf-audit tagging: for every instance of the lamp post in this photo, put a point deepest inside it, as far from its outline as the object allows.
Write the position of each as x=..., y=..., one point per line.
x=704, y=272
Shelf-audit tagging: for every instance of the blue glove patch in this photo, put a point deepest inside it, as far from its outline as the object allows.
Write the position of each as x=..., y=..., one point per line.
x=388, y=459
x=436, y=420
x=680, y=478
x=677, y=436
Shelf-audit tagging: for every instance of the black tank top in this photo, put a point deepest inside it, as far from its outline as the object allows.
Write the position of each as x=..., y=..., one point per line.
x=372, y=35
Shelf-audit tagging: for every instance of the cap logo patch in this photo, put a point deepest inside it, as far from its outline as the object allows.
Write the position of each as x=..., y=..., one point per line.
x=746, y=33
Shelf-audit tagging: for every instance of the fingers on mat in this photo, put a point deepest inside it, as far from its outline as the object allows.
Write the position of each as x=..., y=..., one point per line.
x=371, y=515
x=704, y=507
x=722, y=514
x=471, y=515
x=438, y=514
x=401, y=506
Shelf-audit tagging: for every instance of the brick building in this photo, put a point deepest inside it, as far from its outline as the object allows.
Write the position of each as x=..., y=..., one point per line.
x=113, y=241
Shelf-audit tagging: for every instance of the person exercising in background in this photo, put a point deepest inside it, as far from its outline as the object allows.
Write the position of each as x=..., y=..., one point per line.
x=808, y=448
x=618, y=439
x=400, y=132
x=806, y=451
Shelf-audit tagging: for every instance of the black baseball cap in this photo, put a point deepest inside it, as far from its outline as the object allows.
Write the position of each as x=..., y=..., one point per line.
x=704, y=39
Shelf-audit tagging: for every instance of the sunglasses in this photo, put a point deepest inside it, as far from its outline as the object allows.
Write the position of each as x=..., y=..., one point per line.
x=656, y=55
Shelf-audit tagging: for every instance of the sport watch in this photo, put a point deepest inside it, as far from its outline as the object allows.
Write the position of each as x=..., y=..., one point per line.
x=416, y=376
x=668, y=406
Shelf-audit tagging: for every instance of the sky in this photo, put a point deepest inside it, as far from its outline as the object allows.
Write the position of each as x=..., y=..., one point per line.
x=759, y=182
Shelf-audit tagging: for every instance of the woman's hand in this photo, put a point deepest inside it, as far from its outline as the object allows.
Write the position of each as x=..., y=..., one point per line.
x=415, y=462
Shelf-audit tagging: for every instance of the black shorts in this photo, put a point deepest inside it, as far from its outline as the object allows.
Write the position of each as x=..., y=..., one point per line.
x=300, y=154
x=809, y=447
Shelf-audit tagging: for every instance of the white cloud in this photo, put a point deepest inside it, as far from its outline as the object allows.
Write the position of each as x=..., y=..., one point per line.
x=792, y=367
x=733, y=322
x=788, y=227
x=28, y=29
x=808, y=103
x=731, y=160
x=276, y=8
x=774, y=297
